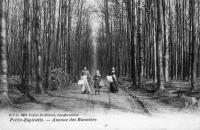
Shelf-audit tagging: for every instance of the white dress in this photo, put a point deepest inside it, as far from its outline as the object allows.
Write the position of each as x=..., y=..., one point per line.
x=85, y=85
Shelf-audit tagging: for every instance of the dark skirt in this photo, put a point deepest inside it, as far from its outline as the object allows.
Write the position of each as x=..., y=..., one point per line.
x=96, y=84
x=113, y=87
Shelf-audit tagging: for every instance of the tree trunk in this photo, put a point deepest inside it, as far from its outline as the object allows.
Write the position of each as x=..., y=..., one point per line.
x=159, y=48
x=49, y=3
x=108, y=34
x=166, y=44
x=139, y=36
x=131, y=14
x=69, y=36
x=39, y=87
x=193, y=46
x=4, y=99
x=25, y=64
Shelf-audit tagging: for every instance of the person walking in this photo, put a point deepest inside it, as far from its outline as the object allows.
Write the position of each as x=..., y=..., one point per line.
x=113, y=84
x=97, y=80
x=86, y=78
x=87, y=73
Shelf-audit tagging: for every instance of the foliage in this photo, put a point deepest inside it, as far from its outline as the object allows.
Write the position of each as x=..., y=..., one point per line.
x=58, y=79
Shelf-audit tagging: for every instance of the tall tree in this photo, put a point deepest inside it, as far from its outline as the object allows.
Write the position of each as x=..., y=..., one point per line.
x=4, y=99
x=140, y=46
x=193, y=45
x=108, y=33
x=131, y=20
x=25, y=65
x=159, y=40
x=166, y=44
x=36, y=8
x=69, y=35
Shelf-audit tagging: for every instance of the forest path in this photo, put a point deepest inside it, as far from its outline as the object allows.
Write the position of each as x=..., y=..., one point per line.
x=112, y=110
x=72, y=100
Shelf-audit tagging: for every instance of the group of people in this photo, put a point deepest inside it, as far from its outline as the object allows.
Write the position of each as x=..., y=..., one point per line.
x=98, y=82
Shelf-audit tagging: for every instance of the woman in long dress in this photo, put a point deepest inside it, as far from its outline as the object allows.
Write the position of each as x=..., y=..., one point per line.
x=85, y=77
x=113, y=85
x=85, y=85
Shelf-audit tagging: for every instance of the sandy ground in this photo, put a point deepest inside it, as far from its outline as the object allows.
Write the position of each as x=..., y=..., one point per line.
x=124, y=110
x=72, y=100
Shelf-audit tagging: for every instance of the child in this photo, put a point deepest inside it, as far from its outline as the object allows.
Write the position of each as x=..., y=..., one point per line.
x=97, y=79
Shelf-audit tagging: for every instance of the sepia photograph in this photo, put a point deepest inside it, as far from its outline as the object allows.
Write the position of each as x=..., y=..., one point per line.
x=100, y=64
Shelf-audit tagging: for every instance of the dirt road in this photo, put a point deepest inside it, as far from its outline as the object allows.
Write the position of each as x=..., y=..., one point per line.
x=122, y=110
x=72, y=100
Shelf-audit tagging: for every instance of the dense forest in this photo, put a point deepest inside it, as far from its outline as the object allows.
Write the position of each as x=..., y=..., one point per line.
x=41, y=35
x=143, y=39
x=150, y=39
